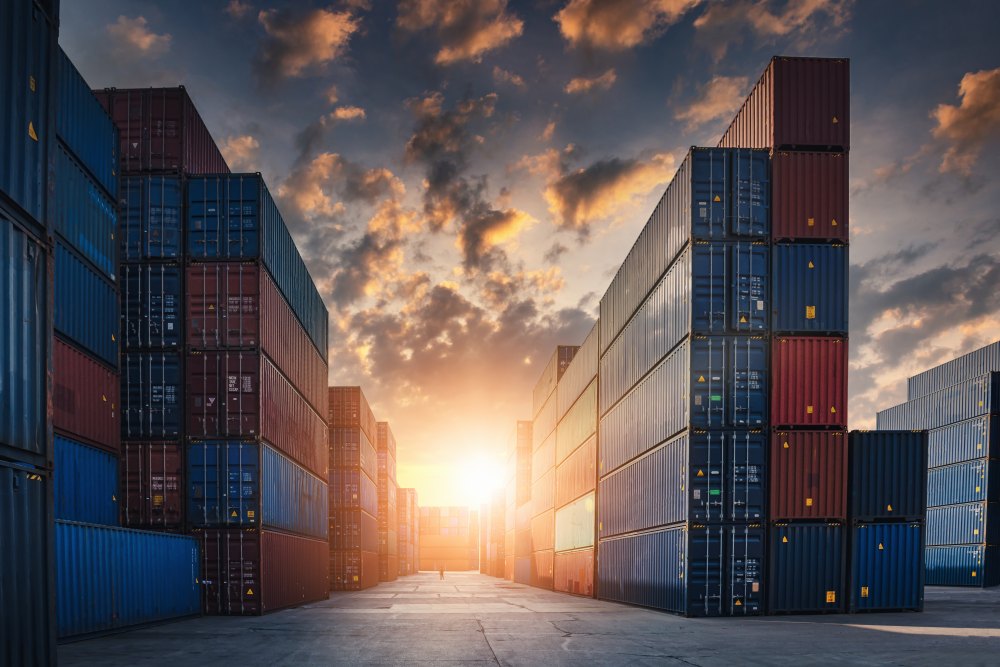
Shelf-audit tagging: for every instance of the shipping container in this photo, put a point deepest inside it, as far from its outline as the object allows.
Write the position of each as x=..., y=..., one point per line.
x=252, y=572
x=579, y=374
x=573, y=572
x=152, y=493
x=86, y=306
x=85, y=481
x=575, y=476
x=808, y=475
x=965, y=400
x=809, y=376
x=85, y=398
x=152, y=395
x=85, y=127
x=964, y=483
x=84, y=215
x=966, y=367
x=522, y=569
x=968, y=523
x=974, y=438
x=806, y=572
x=348, y=407
x=888, y=478
x=353, y=530
x=543, y=531
x=25, y=352
x=353, y=489
x=887, y=567
x=574, y=524
x=351, y=448
x=810, y=196
x=543, y=459
x=233, y=217
x=543, y=493
x=551, y=374
x=578, y=424
x=353, y=570
x=544, y=425
x=26, y=567
x=152, y=299
x=543, y=569
x=810, y=288
x=798, y=103
x=161, y=131
x=111, y=578
x=968, y=565
x=151, y=218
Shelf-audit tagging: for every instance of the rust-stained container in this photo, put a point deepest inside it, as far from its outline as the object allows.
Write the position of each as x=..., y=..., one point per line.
x=577, y=475
x=543, y=531
x=236, y=305
x=809, y=380
x=809, y=196
x=799, y=104
x=353, y=570
x=542, y=569
x=85, y=398
x=573, y=572
x=152, y=485
x=243, y=395
x=351, y=448
x=347, y=406
x=808, y=476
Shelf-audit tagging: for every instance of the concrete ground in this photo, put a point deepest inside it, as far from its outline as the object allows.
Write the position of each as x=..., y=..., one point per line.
x=474, y=619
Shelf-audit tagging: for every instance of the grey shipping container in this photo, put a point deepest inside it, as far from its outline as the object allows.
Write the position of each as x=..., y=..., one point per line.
x=976, y=438
x=965, y=400
x=966, y=565
x=968, y=523
x=963, y=483
x=974, y=364
x=579, y=374
x=888, y=475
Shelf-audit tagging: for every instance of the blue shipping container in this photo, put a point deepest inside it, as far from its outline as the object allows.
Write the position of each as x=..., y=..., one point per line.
x=963, y=566
x=151, y=218
x=233, y=217
x=972, y=365
x=85, y=127
x=86, y=306
x=152, y=404
x=888, y=475
x=968, y=523
x=85, y=216
x=25, y=345
x=963, y=483
x=976, y=438
x=152, y=297
x=806, y=568
x=887, y=567
x=809, y=288
x=110, y=578
x=85, y=480
x=968, y=399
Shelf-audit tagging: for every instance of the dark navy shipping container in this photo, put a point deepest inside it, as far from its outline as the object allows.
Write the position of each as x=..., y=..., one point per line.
x=971, y=398
x=887, y=567
x=966, y=565
x=968, y=523
x=111, y=578
x=233, y=217
x=888, y=475
x=151, y=218
x=976, y=438
x=84, y=215
x=746, y=569
x=963, y=483
x=152, y=402
x=974, y=364
x=85, y=480
x=351, y=488
x=86, y=306
x=806, y=568
x=152, y=297
x=809, y=288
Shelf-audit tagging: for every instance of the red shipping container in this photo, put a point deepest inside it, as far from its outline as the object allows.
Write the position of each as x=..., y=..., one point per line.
x=161, y=131
x=543, y=493
x=85, y=398
x=350, y=448
x=577, y=475
x=348, y=407
x=152, y=485
x=808, y=475
x=798, y=103
x=573, y=572
x=242, y=395
x=542, y=569
x=543, y=531
x=237, y=305
x=809, y=382
x=353, y=570
x=809, y=197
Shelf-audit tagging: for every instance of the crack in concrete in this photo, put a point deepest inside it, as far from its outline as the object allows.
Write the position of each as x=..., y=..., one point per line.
x=488, y=644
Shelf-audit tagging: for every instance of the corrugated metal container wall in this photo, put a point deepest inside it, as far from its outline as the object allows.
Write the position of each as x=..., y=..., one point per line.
x=110, y=578
x=85, y=398
x=810, y=288
x=887, y=567
x=351, y=448
x=161, y=131
x=963, y=566
x=573, y=572
x=26, y=80
x=25, y=341
x=348, y=407
x=963, y=524
x=152, y=298
x=810, y=196
x=745, y=570
x=579, y=374
x=971, y=365
x=968, y=399
x=152, y=493
x=234, y=218
x=84, y=214
x=888, y=477
x=150, y=218
x=86, y=306
x=543, y=569
x=543, y=531
x=974, y=438
x=806, y=568
x=809, y=376
x=808, y=477
x=152, y=395
x=576, y=475
x=544, y=425
x=353, y=530
x=295, y=570
x=522, y=569
x=353, y=489
x=551, y=374
x=800, y=103
x=578, y=424
x=574, y=525
x=543, y=493
x=26, y=574
x=85, y=481
x=355, y=570
x=294, y=500
x=963, y=483
x=543, y=459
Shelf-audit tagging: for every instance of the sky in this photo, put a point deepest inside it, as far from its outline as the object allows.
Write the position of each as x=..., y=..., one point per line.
x=464, y=177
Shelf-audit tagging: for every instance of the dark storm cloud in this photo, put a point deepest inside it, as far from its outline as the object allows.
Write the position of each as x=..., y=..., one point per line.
x=465, y=29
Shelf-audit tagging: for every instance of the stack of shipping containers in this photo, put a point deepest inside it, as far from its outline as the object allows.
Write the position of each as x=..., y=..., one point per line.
x=959, y=402
x=354, y=502
x=543, y=467
x=519, y=498
x=449, y=539
x=576, y=471
x=388, y=546
x=407, y=512
x=492, y=535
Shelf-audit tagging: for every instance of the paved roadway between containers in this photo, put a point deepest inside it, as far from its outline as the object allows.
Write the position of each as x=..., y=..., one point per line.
x=473, y=619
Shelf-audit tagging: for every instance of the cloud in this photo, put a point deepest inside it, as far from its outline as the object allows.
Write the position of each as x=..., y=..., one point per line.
x=298, y=42
x=620, y=25
x=585, y=85
x=555, y=253
x=968, y=127
x=240, y=152
x=331, y=94
x=348, y=113
x=465, y=29
x=133, y=37
x=718, y=99
x=238, y=9
x=549, y=131
x=501, y=75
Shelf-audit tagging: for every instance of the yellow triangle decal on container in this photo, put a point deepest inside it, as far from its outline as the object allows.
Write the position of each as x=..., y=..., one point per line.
x=31, y=131
x=881, y=547
x=234, y=514
x=833, y=409
x=701, y=473
x=717, y=198
x=701, y=378
x=811, y=265
x=888, y=508
x=833, y=222
x=739, y=604
x=835, y=120
x=249, y=591
x=784, y=540
x=743, y=319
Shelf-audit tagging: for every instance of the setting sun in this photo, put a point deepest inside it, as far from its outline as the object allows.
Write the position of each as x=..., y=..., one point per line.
x=479, y=478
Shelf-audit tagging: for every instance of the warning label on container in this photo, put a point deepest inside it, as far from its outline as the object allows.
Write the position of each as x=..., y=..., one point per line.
x=811, y=222
x=831, y=596
x=810, y=312
x=864, y=591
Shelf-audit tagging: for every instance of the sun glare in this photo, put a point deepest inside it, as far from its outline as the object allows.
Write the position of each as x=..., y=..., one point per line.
x=480, y=477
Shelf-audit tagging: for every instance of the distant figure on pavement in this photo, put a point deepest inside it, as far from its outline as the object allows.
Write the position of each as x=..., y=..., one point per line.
x=441, y=571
